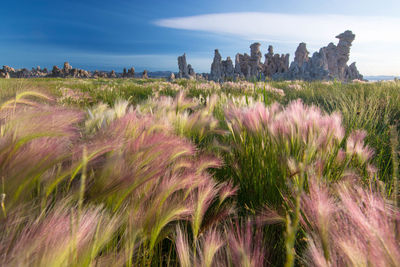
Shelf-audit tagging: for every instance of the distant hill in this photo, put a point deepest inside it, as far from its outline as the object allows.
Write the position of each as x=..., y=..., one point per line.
x=159, y=74
x=380, y=78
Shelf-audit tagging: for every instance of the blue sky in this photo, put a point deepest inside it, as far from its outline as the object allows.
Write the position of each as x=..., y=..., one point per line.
x=151, y=34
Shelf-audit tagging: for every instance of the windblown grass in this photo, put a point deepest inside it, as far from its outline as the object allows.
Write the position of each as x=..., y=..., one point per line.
x=131, y=172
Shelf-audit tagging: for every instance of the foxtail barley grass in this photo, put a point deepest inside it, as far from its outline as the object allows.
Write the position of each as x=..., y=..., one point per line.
x=149, y=173
x=394, y=140
x=349, y=226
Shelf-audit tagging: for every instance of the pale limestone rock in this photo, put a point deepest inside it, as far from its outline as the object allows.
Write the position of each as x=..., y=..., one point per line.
x=131, y=73
x=255, y=60
x=228, y=71
x=327, y=64
x=343, y=52
x=112, y=74
x=56, y=72
x=183, y=67
x=301, y=55
x=216, y=67
x=8, y=69
x=352, y=73
x=191, y=71
x=275, y=63
x=67, y=68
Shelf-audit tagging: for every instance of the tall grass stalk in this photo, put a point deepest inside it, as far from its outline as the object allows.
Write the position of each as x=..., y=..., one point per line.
x=395, y=164
x=293, y=216
x=3, y=198
x=83, y=182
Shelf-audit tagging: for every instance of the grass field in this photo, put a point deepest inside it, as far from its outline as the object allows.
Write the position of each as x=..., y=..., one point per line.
x=131, y=172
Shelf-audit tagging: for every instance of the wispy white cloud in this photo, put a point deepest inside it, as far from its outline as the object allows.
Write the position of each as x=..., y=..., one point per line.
x=373, y=33
x=289, y=27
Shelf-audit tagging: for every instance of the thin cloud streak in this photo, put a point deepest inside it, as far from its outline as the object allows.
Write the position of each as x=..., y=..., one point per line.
x=288, y=27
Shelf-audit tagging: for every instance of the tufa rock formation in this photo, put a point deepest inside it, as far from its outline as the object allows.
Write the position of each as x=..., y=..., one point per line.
x=249, y=66
x=216, y=67
x=244, y=61
x=4, y=75
x=145, y=75
x=67, y=67
x=227, y=68
x=221, y=69
x=352, y=72
x=275, y=63
x=68, y=71
x=200, y=76
x=191, y=72
x=99, y=74
x=8, y=69
x=184, y=67
x=56, y=72
x=112, y=74
x=255, y=60
x=171, y=77
x=185, y=70
x=8, y=72
x=38, y=72
x=129, y=74
x=238, y=70
x=327, y=64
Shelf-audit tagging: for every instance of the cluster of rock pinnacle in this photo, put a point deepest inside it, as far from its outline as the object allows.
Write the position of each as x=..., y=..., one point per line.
x=67, y=72
x=327, y=64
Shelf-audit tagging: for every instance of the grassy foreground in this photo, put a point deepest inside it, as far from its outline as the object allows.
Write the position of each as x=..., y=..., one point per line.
x=130, y=172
